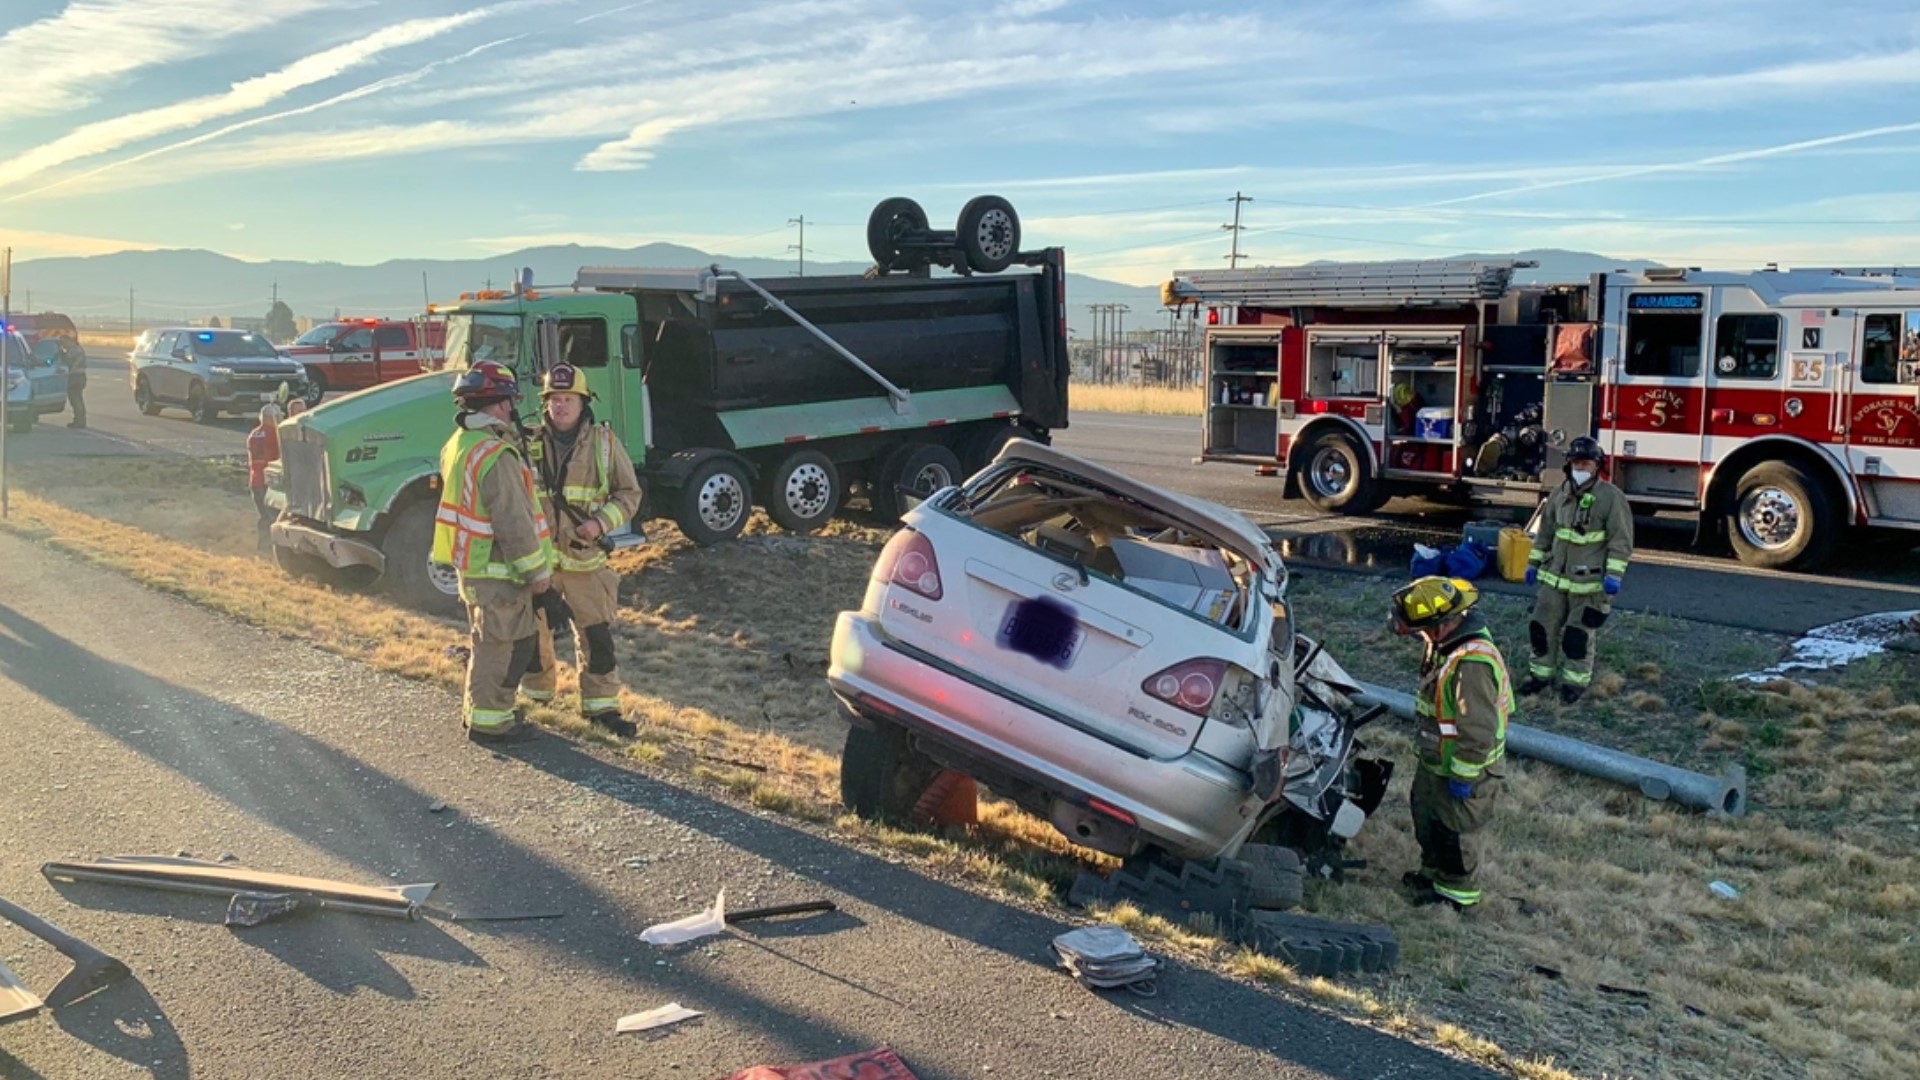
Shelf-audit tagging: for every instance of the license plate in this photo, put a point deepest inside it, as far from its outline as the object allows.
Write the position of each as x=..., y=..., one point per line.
x=1044, y=629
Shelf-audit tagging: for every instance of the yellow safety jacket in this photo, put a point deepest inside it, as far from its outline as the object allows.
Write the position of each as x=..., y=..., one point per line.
x=1463, y=705
x=1585, y=535
x=466, y=535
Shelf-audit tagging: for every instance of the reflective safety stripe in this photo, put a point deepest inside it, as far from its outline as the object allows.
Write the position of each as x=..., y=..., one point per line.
x=1537, y=556
x=538, y=696
x=1446, y=708
x=1578, y=678
x=1463, y=897
x=1468, y=771
x=1571, y=588
x=1539, y=670
x=1616, y=566
x=590, y=706
x=1573, y=537
x=490, y=719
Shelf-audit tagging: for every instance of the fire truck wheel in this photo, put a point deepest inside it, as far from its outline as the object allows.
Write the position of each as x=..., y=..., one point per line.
x=1781, y=518
x=1335, y=476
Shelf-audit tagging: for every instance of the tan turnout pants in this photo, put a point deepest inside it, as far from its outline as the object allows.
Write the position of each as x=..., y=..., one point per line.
x=503, y=648
x=594, y=596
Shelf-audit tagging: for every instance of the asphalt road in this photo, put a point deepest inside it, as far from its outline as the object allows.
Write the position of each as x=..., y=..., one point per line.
x=1668, y=578
x=136, y=723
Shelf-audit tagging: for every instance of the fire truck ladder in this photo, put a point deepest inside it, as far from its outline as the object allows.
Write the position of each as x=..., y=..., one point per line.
x=1437, y=283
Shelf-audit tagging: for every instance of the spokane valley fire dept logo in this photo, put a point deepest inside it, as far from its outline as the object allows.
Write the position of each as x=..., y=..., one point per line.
x=1662, y=406
x=1887, y=423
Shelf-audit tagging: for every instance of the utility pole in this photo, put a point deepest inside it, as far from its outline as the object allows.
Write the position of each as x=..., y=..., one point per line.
x=800, y=247
x=1233, y=260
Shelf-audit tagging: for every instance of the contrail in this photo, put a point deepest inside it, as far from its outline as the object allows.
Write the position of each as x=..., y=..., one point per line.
x=1683, y=166
x=610, y=11
x=338, y=99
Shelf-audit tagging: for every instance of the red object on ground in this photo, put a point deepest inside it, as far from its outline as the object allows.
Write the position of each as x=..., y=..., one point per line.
x=880, y=1064
x=952, y=799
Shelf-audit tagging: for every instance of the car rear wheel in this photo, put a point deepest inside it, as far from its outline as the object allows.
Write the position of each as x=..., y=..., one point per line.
x=804, y=493
x=199, y=407
x=411, y=576
x=882, y=776
x=143, y=398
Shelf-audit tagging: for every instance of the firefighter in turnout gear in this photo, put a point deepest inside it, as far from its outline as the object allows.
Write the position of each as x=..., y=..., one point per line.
x=588, y=490
x=1463, y=705
x=491, y=531
x=1579, y=560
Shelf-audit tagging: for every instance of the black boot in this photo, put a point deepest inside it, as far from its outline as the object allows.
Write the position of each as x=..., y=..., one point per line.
x=1534, y=684
x=1417, y=880
x=613, y=723
x=1570, y=693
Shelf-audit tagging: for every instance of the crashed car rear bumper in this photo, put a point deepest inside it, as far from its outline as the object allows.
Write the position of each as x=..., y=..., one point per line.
x=876, y=676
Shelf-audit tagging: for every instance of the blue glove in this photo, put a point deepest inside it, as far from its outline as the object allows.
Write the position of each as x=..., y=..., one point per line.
x=1460, y=789
x=1533, y=574
x=1611, y=585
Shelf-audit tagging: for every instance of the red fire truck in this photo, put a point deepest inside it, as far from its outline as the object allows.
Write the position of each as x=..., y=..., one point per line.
x=353, y=354
x=1782, y=407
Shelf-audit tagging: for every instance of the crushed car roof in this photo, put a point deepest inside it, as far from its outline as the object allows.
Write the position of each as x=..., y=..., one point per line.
x=1228, y=526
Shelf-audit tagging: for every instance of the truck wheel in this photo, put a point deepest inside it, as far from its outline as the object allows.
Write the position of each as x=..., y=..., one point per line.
x=1336, y=478
x=805, y=492
x=1781, y=518
x=715, y=502
x=143, y=398
x=892, y=220
x=881, y=775
x=985, y=444
x=411, y=577
x=198, y=406
x=989, y=233
x=316, y=386
x=922, y=468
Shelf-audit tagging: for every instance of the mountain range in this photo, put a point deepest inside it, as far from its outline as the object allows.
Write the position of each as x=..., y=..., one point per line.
x=183, y=284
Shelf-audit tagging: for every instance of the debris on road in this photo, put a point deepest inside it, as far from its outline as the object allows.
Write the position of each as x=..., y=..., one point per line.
x=496, y=916
x=1324, y=947
x=1838, y=644
x=670, y=1013
x=255, y=908
x=200, y=876
x=92, y=969
x=1724, y=891
x=1107, y=958
x=881, y=1064
x=704, y=924
x=805, y=907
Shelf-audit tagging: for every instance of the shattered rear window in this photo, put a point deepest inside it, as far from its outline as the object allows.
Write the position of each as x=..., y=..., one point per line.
x=1115, y=538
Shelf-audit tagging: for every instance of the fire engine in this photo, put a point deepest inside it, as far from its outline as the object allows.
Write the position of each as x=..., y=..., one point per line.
x=1780, y=406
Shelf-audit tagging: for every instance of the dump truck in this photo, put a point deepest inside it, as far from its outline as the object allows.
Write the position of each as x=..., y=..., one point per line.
x=791, y=394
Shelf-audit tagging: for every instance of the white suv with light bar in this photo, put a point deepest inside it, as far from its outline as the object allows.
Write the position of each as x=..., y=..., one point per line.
x=1115, y=658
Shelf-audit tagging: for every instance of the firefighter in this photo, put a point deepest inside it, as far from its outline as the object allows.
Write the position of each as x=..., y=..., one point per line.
x=1463, y=704
x=1579, y=560
x=587, y=489
x=74, y=359
x=490, y=530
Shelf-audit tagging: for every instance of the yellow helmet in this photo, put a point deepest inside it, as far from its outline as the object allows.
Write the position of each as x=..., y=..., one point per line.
x=1430, y=601
x=565, y=379
x=1402, y=395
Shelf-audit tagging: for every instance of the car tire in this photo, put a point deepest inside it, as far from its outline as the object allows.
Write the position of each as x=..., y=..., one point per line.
x=1781, y=518
x=143, y=398
x=411, y=578
x=716, y=501
x=804, y=492
x=989, y=234
x=199, y=407
x=922, y=467
x=882, y=776
x=316, y=387
x=891, y=220
x=1336, y=477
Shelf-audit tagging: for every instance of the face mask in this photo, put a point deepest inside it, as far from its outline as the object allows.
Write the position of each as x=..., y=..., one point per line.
x=1580, y=477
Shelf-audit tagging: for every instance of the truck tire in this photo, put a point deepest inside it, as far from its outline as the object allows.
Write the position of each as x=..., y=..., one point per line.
x=1782, y=518
x=199, y=407
x=316, y=386
x=881, y=775
x=985, y=444
x=805, y=492
x=989, y=233
x=715, y=502
x=922, y=467
x=411, y=577
x=143, y=397
x=890, y=221
x=1336, y=478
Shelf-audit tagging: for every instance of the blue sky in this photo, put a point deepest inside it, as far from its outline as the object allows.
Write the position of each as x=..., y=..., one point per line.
x=1719, y=132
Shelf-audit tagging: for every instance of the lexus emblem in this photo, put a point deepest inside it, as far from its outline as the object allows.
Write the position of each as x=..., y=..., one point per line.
x=1065, y=582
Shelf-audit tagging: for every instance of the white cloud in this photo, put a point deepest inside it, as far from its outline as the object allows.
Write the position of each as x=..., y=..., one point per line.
x=104, y=136
x=34, y=244
x=66, y=60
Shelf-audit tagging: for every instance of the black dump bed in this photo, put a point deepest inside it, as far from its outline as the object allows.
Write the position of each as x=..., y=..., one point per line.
x=737, y=352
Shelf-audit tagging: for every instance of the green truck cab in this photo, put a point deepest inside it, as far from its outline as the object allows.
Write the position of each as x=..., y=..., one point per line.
x=729, y=393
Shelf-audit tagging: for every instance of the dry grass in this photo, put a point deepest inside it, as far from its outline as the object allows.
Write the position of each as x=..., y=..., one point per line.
x=1150, y=400
x=1811, y=973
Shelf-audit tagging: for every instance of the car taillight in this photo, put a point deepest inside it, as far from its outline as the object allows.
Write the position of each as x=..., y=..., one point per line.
x=1190, y=686
x=907, y=561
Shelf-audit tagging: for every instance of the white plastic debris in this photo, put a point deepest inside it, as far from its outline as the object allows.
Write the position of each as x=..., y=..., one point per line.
x=1724, y=891
x=1106, y=957
x=705, y=924
x=670, y=1013
x=1838, y=644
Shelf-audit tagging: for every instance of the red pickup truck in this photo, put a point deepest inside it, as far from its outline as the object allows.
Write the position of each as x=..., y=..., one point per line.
x=353, y=354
